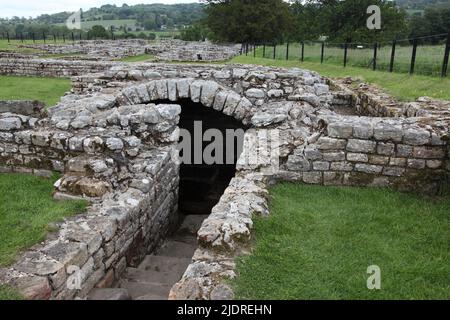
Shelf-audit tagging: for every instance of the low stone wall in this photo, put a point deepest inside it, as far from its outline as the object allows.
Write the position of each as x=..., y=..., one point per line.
x=178, y=50
x=95, y=49
x=133, y=189
x=15, y=55
x=50, y=67
x=165, y=50
x=93, y=249
x=23, y=107
x=407, y=154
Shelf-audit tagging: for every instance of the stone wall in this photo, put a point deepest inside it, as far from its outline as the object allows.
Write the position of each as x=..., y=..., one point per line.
x=50, y=67
x=405, y=154
x=178, y=50
x=23, y=107
x=164, y=50
x=95, y=49
x=126, y=171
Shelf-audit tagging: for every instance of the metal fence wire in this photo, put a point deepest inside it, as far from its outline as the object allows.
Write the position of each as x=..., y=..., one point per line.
x=412, y=56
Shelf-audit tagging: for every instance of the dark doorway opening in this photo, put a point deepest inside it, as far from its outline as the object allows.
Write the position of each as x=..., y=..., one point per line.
x=202, y=184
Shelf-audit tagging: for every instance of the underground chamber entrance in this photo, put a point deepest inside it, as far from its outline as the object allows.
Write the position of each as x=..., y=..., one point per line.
x=210, y=145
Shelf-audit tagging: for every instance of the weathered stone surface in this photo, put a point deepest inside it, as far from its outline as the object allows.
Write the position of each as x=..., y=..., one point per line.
x=339, y=130
x=109, y=294
x=365, y=146
x=114, y=144
x=255, y=93
x=7, y=124
x=325, y=143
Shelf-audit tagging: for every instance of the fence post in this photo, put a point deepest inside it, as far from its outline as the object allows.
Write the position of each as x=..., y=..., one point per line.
x=287, y=50
x=322, y=51
x=413, y=57
x=264, y=50
x=303, y=51
x=54, y=38
x=254, y=50
x=446, y=56
x=34, y=38
x=391, y=65
x=375, y=53
x=43, y=34
x=7, y=35
x=64, y=38
x=345, y=54
x=274, y=51
x=21, y=37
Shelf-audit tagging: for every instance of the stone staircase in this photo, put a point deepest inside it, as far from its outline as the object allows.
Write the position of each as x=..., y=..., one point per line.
x=156, y=275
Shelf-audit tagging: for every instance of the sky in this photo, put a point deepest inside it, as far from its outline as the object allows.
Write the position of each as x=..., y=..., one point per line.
x=33, y=8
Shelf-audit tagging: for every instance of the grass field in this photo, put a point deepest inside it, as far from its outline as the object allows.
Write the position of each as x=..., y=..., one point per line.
x=7, y=293
x=429, y=59
x=319, y=242
x=47, y=90
x=138, y=58
x=26, y=209
x=107, y=24
x=402, y=86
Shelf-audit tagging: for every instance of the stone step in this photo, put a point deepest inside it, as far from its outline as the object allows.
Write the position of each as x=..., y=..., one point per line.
x=183, y=237
x=138, y=289
x=149, y=297
x=165, y=263
x=191, y=224
x=109, y=294
x=151, y=277
x=179, y=249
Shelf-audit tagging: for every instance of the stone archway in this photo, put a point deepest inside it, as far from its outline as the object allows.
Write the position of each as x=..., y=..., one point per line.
x=215, y=108
x=209, y=93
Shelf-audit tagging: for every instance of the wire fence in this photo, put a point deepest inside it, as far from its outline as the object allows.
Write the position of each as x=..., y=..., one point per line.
x=43, y=37
x=412, y=56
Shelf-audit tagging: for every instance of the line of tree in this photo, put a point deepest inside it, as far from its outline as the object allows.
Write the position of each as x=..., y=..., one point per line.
x=147, y=16
x=275, y=21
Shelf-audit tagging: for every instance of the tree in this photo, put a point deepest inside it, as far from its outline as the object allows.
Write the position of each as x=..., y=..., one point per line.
x=98, y=32
x=149, y=24
x=248, y=21
x=433, y=22
x=196, y=32
x=346, y=21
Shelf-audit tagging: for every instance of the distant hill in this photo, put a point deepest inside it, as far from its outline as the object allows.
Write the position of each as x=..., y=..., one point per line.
x=422, y=4
x=135, y=18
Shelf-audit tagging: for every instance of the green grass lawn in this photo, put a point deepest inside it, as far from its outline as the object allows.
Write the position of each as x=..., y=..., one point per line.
x=7, y=293
x=48, y=90
x=138, y=58
x=319, y=242
x=26, y=209
x=402, y=86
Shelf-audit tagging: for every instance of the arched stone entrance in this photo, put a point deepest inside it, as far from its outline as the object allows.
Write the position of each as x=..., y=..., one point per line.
x=205, y=106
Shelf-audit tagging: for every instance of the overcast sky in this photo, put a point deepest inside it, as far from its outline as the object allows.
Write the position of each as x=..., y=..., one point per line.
x=33, y=8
